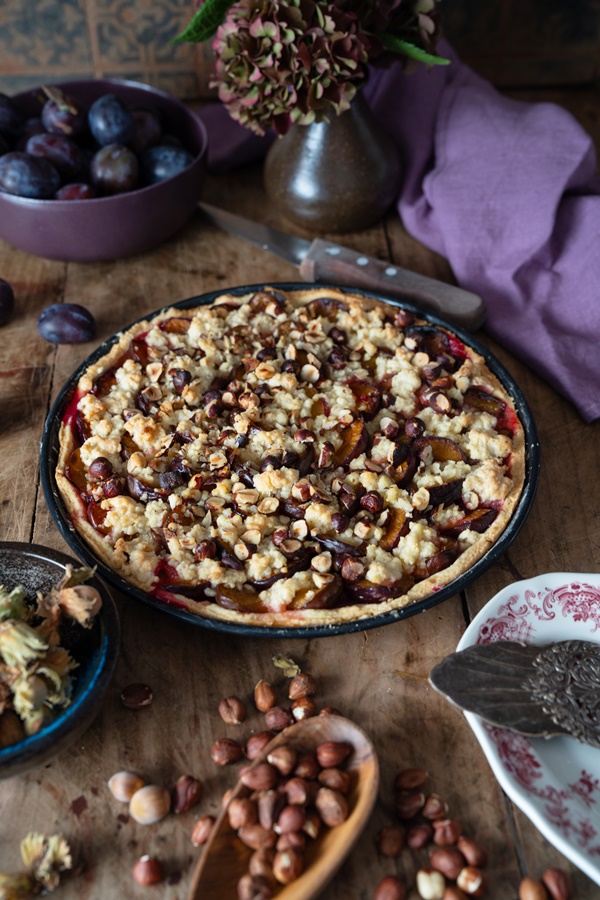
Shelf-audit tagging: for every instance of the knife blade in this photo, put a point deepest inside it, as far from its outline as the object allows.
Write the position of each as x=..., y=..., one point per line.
x=326, y=262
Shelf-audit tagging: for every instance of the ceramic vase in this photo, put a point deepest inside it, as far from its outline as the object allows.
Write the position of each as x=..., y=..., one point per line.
x=335, y=176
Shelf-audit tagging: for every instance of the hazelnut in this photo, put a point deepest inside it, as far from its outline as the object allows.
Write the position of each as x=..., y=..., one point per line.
x=303, y=709
x=474, y=854
x=447, y=860
x=335, y=779
x=242, y=811
x=259, y=777
x=253, y=887
x=312, y=826
x=390, y=840
x=454, y=893
x=418, y=836
x=287, y=865
x=330, y=711
x=256, y=837
x=123, y=785
x=302, y=685
x=260, y=864
x=283, y=758
x=296, y=840
x=148, y=870
x=430, y=884
x=307, y=767
x=409, y=779
x=471, y=881
x=226, y=751
x=557, y=884
x=264, y=695
x=232, y=710
x=150, y=804
x=185, y=794
x=270, y=804
x=532, y=889
x=201, y=830
x=296, y=790
x=332, y=806
x=136, y=696
x=390, y=888
x=276, y=718
x=409, y=803
x=257, y=743
x=332, y=753
x=291, y=818
x=434, y=807
x=446, y=832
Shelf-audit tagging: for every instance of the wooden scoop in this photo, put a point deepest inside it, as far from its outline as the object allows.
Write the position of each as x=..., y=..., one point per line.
x=225, y=859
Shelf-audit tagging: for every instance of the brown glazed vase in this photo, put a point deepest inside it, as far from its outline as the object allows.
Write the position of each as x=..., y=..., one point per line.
x=335, y=176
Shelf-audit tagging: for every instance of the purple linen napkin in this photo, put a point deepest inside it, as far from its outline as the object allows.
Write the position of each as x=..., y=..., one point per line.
x=507, y=192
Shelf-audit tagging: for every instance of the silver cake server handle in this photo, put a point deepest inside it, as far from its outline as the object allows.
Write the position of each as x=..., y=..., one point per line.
x=540, y=691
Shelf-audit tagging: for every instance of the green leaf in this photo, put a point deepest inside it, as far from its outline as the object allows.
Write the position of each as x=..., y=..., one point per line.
x=406, y=48
x=204, y=22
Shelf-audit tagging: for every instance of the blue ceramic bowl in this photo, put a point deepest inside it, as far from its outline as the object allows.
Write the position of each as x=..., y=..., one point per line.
x=96, y=650
x=110, y=227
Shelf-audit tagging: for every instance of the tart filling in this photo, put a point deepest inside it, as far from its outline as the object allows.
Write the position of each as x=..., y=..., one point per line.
x=289, y=459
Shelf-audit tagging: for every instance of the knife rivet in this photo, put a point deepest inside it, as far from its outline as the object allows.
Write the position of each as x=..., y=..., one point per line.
x=362, y=261
x=391, y=271
x=333, y=251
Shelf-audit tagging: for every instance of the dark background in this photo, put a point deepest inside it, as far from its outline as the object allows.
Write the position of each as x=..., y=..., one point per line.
x=513, y=43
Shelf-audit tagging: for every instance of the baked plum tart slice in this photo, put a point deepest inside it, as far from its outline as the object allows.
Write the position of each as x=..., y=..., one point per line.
x=290, y=458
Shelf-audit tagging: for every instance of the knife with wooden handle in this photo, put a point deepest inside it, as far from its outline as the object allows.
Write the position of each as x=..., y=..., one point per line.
x=325, y=262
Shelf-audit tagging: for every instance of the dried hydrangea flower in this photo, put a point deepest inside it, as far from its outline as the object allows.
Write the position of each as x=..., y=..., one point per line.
x=17, y=886
x=280, y=62
x=46, y=857
x=12, y=604
x=20, y=645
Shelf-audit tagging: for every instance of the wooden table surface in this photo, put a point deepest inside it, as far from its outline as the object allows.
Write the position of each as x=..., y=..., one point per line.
x=377, y=677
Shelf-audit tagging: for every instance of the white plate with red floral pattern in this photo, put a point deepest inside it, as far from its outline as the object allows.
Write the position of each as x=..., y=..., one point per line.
x=555, y=782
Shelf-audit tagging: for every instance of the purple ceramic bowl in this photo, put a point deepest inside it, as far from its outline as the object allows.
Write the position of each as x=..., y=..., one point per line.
x=121, y=225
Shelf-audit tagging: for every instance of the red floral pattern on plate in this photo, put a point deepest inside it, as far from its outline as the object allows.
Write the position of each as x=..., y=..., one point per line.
x=572, y=810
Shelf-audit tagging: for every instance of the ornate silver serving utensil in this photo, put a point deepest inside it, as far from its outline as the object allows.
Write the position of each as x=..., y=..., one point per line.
x=540, y=691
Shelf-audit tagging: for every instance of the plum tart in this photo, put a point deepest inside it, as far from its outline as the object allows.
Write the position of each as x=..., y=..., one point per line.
x=290, y=459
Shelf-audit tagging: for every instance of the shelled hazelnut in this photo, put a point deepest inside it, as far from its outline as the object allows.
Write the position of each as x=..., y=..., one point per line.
x=148, y=870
